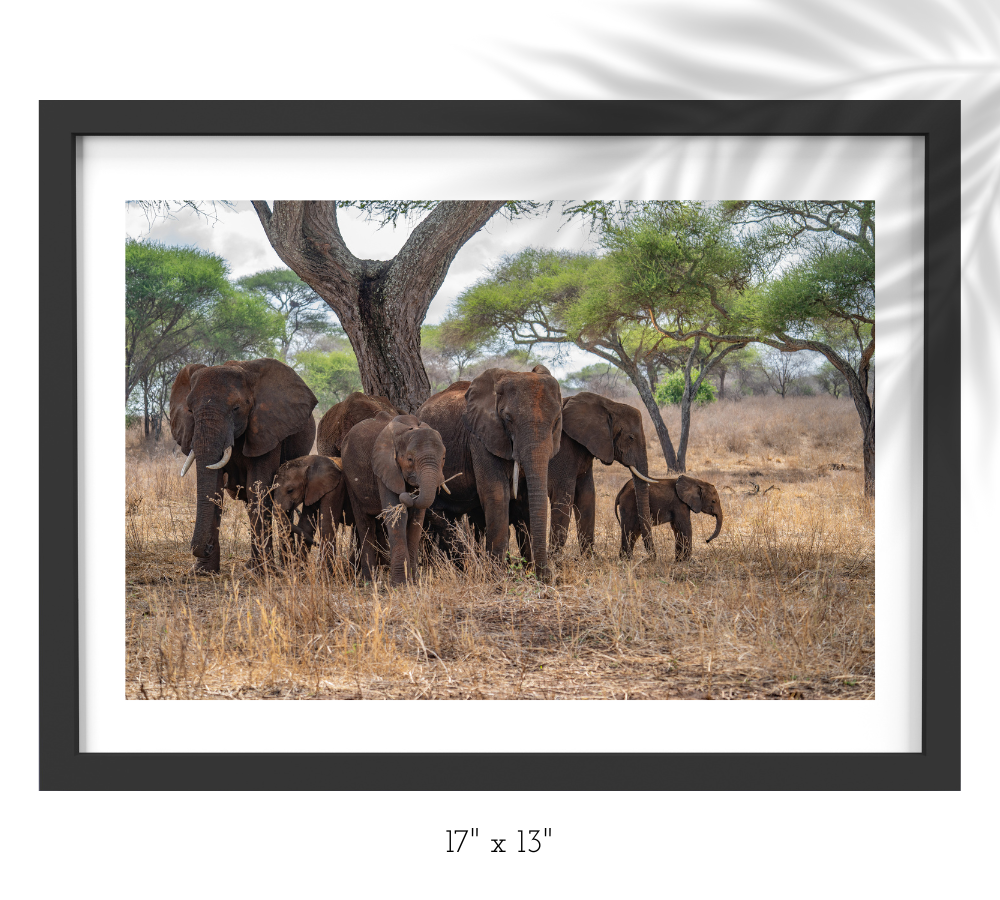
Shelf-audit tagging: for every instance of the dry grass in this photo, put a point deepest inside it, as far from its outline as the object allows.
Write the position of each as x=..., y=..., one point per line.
x=781, y=605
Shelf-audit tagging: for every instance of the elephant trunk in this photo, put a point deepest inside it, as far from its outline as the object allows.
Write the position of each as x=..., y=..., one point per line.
x=638, y=465
x=642, y=508
x=206, y=533
x=211, y=440
x=429, y=478
x=536, y=471
x=718, y=527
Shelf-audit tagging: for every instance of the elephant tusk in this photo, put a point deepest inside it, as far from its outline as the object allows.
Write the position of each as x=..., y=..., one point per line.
x=514, y=492
x=444, y=483
x=639, y=474
x=224, y=460
x=187, y=463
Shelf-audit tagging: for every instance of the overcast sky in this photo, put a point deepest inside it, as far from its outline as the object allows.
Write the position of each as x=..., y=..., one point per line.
x=238, y=237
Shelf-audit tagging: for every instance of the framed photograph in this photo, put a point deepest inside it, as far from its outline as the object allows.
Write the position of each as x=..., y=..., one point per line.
x=902, y=156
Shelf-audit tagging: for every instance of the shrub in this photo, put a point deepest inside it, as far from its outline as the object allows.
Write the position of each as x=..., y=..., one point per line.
x=671, y=390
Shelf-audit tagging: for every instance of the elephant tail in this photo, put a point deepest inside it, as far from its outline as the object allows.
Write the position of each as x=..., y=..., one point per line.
x=618, y=501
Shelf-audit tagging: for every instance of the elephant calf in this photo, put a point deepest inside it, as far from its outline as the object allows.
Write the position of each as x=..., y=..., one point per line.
x=317, y=483
x=671, y=500
x=381, y=456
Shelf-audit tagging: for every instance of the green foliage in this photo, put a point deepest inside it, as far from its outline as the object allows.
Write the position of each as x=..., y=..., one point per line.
x=239, y=325
x=169, y=293
x=389, y=212
x=305, y=315
x=677, y=263
x=528, y=297
x=331, y=376
x=830, y=283
x=671, y=390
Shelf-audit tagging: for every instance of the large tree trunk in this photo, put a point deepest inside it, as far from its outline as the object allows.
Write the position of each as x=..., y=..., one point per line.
x=642, y=508
x=682, y=443
x=649, y=401
x=380, y=303
x=869, y=454
x=857, y=384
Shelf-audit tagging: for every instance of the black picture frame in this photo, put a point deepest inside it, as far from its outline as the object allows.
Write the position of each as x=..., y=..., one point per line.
x=937, y=767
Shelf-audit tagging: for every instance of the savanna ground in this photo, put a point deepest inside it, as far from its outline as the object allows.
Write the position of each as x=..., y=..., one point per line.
x=780, y=606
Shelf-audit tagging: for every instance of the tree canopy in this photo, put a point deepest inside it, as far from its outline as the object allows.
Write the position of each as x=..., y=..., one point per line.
x=668, y=274
x=179, y=308
x=305, y=314
x=168, y=292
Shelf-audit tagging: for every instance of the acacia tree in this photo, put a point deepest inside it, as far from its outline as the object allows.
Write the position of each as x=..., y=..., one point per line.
x=168, y=291
x=180, y=308
x=305, y=315
x=829, y=290
x=678, y=270
x=380, y=303
x=559, y=297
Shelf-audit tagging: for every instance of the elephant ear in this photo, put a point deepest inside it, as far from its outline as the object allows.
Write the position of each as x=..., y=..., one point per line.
x=321, y=478
x=481, y=416
x=384, y=453
x=588, y=422
x=689, y=490
x=282, y=404
x=181, y=420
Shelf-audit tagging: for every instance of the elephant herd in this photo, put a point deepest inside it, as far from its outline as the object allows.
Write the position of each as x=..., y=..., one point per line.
x=504, y=449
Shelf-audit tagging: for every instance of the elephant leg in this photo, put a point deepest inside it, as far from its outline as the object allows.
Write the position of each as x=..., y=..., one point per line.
x=630, y=534
x=522, y=536
x=414, y=531
x=585, y=511
x=495, y=505
x=366, y=532
x=477, y=522
x=308, y=520
x=398, y=550
x=259, y=509
x=327, y=533
x=682, y=536
x=560, y=513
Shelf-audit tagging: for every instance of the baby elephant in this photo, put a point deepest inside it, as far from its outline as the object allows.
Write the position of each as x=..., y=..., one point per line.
x=318, y=484
x=381, y=457
x=671, y=500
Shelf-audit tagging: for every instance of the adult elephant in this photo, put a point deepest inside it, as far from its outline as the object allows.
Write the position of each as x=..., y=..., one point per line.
x=340, y=418
x=239, y=421
x=383, y=460
x=493, y=427
x=592, y=427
